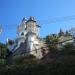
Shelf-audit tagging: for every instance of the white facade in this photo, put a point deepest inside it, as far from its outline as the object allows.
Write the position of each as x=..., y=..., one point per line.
x=32, y=36
x=21, y=31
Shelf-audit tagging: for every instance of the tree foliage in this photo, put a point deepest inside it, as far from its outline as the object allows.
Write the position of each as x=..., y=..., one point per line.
x=29, y=59
x=68, y=49
x=52, y=41
x=3, y=51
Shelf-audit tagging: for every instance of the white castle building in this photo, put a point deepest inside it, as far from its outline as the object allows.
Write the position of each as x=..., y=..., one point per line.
x=27, y=41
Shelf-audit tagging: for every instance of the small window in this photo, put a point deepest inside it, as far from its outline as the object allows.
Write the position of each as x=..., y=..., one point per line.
x=22, y=33
x=37, y=45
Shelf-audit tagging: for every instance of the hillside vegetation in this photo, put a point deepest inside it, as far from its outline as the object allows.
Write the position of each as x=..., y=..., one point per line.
x=54, y=63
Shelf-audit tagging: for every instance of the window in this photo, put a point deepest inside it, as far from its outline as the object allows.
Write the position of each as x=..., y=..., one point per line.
x=22, y=33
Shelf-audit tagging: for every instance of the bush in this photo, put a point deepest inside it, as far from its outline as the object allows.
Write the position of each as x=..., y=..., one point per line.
x=29, y=59
x=62, y=66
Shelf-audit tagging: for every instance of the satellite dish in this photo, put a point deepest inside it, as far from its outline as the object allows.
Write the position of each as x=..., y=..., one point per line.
x=0, y=30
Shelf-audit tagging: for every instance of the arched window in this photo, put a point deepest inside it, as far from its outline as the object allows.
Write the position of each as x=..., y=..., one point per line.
x=22, y=33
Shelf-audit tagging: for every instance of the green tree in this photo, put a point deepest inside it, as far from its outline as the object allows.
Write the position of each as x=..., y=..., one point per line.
x=29, y=59
x=3, y=51
x=68, y=49
x=52, y=41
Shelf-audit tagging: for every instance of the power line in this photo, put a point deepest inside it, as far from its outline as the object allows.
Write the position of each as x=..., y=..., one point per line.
x=57, y=19
x=49, y=21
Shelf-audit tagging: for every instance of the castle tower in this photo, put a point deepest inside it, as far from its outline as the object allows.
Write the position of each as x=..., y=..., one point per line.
x=61, y=33
x=32, y=35
x=32, y=26
x=22, y=28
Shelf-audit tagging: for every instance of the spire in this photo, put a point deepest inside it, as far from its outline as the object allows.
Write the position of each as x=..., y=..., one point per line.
x=31, y=19
x=61, y=33
x=24, y=19
x=67, y=33
x=61, y=30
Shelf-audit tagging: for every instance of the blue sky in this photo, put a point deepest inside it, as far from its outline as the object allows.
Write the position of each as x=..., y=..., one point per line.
x=12, y=12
